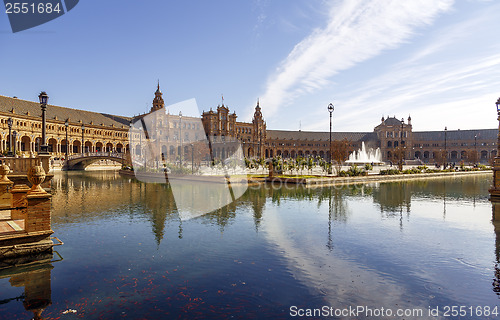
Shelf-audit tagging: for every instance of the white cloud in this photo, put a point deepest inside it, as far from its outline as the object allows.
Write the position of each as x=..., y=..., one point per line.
x=355, y=32
x=431, y=85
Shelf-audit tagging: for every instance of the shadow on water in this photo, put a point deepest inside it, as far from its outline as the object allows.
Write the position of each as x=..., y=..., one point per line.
x=33, y=274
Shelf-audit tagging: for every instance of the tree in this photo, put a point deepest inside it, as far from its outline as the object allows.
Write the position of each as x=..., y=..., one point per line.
x=472, y=156
x=440, y=158
x=310, y=164
x=340, y=153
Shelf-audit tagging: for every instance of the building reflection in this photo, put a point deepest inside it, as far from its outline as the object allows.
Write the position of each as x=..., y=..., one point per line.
x=34, y=275
x=86, y=196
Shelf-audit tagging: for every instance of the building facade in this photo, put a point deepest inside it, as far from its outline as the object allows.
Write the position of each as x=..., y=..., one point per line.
x=175, y=135
x=86, y=131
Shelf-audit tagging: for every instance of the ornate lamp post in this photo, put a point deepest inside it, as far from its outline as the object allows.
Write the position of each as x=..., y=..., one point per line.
x=83, y=141
x=44, y=98
x=9, y=123
x=445, y=151
x=180, y=137
x=401, y=150
x=14, y=134
x=330, y=109
x=192, y=158
x=66, y=124
x=495, y=189
x=475, y=150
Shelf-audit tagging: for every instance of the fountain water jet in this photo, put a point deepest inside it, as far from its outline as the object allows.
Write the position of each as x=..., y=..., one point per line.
x=363, y=156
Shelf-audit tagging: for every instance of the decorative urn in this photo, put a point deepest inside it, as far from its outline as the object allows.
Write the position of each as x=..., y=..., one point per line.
x=4, y=171
x=36, y=175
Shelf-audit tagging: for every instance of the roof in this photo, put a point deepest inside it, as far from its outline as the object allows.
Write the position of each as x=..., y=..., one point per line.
x=392, y=122
x=18, y=107
x=318, y=136
x=481, y=134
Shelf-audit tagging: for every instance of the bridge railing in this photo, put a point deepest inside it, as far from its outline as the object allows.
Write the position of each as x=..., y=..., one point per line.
x=120, y=155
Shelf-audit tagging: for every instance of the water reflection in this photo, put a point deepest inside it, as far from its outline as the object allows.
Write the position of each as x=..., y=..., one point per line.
x=91, y=194
x=34, y=275
x=496, y=224
x=408, y=242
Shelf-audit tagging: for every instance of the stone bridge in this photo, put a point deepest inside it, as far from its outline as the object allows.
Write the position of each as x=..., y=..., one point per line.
x=82, y=160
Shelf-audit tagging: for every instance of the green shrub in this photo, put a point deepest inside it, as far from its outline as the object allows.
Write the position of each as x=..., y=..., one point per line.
x=389, y=172
x=342, y=173
x=368, y=167
x=355, y=171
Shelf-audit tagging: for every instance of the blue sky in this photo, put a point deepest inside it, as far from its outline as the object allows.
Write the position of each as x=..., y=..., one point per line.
x=437, y=61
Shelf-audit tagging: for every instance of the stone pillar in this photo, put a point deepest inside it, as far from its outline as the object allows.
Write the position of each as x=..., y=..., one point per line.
x=19, y=201
x=495, y=188
x=38, y=212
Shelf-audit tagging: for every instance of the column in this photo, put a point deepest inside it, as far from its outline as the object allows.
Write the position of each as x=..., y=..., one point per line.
x=38, y=213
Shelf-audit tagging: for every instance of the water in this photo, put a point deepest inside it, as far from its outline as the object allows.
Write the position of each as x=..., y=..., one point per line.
x=409, y=245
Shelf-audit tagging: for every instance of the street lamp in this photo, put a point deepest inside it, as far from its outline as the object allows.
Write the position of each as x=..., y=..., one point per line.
x=192, y=158
x=44, y=98
x=14, y=134
x=495, y=189
x=83, y=141
x=330, y=109
x=66, y=124
x=180, y=134
x=475, y=150
x=401, y=153
x=9, y=123
x=445, y=151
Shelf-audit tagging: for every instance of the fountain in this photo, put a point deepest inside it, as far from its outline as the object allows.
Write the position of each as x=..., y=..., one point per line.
x=364, y=156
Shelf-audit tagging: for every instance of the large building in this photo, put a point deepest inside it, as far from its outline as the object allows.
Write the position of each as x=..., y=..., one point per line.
x=95, y=132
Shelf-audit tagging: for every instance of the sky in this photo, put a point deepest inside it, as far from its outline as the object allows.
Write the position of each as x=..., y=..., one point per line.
x=436, y=60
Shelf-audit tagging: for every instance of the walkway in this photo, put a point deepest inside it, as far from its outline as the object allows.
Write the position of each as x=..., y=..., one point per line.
x=9, y=226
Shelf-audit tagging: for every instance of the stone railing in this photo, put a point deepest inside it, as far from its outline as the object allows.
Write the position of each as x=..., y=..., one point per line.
x=22, y=165
x=31, y=206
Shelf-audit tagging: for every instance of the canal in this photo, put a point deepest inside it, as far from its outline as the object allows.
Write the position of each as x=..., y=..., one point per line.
x=274, y=253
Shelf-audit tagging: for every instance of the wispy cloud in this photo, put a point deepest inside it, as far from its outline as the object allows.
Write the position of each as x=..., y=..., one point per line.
x=355, y=32
x=446, y=81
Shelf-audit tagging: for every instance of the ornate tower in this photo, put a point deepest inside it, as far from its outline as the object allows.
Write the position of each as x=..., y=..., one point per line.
x=158, y=102
x=259, y=131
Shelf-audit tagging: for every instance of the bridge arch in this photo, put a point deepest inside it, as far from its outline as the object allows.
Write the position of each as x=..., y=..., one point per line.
x=81, y=161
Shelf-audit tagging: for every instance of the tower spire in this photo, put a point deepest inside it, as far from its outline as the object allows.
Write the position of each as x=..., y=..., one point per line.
x=158, y=102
